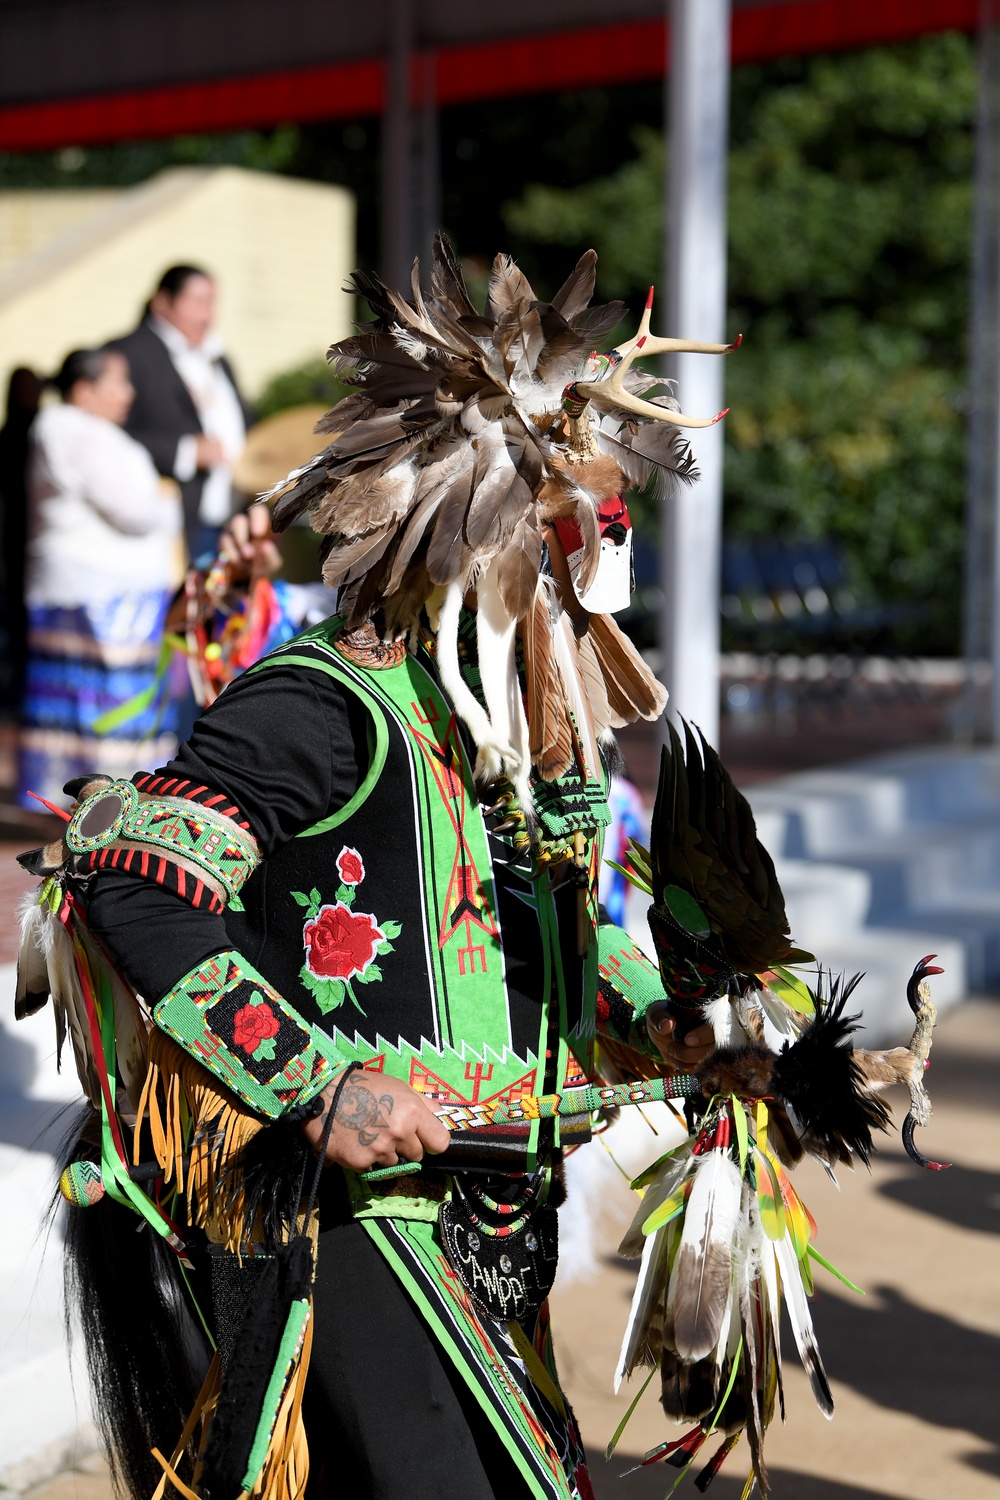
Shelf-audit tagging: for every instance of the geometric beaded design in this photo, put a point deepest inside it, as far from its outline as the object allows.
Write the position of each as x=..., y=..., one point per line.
x=81, y=1184
x=119, y=820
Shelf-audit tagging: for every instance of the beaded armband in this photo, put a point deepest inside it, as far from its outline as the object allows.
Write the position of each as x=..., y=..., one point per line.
x=227, y=1017
x=200, y=852
x=628, y=983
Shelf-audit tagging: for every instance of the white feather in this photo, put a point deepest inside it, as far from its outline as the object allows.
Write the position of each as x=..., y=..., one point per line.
x=489, y=762
x=32, y=972
x=647, y=1302
x=668, y=1177
x=411, y=344
x=704, y=1260
x=784, y=1021
x=719, y=1015
x=569, y=673
x=802, y=1324
x=495, y=632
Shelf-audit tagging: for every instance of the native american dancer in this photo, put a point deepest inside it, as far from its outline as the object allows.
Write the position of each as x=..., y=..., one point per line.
x=354, y=924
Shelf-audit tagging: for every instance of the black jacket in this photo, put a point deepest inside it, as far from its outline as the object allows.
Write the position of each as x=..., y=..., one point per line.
x=163, y=411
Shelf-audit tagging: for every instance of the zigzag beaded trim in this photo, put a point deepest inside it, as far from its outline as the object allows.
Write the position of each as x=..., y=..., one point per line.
x=174, y=786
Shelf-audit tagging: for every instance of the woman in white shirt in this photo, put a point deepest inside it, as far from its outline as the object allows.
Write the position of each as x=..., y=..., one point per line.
x=102, y=558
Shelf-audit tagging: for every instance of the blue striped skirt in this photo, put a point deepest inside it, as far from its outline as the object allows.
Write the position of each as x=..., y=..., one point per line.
x=83, y=661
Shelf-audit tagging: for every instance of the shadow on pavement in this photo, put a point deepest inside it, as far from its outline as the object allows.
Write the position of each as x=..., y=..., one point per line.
x=967, y=1197
x=958, y=1075
x=908, y=1359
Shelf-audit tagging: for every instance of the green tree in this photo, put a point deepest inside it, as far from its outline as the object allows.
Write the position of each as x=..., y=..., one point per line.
x=850, y=199
x=313, y=381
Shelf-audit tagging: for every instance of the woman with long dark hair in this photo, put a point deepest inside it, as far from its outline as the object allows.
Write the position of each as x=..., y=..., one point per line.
x=102, y=555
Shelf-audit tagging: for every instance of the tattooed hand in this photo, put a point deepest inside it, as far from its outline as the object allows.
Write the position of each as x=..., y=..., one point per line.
x=380, y=1120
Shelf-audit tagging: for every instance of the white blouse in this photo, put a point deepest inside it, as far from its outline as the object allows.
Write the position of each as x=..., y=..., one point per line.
x=99, y=522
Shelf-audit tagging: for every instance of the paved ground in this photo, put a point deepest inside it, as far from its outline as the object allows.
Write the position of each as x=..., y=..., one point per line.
x=913, y=1365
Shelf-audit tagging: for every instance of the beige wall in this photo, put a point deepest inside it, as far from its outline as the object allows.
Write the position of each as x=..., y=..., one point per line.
x=29, y=217
x=281, y=249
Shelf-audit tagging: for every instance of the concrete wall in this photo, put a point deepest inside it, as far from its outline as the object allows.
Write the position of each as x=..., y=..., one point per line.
x=281, y=249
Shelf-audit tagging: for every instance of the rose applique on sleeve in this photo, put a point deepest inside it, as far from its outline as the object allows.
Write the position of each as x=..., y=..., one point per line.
x=341, y=944
x=254, y=1027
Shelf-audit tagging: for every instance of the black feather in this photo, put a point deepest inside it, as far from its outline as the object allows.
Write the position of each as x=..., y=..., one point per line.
x=818, y=1076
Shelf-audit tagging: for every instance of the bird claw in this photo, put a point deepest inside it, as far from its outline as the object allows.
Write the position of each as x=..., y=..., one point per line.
x=923, y=970
x=920, y=1046
x=910, y=1147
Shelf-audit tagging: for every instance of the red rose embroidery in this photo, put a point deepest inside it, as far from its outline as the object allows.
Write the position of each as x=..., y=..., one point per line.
x=350, y=866
x=339, y=942
x=252, y=1025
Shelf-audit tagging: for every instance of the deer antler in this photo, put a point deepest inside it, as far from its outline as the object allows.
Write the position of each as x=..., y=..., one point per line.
x=609, y=394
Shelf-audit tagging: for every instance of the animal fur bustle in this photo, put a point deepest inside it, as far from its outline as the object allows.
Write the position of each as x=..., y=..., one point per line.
x=744, y=1071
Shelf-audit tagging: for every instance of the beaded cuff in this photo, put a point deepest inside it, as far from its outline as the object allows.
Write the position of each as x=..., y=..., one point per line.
x=693, y=969
x=227, y=1017
x=199, y=851
x=628, y=983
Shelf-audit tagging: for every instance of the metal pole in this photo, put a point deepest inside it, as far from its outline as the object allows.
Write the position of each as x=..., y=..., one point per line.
x=694, y=274
x=430, y=161
x=397, y=248
x=982, y=558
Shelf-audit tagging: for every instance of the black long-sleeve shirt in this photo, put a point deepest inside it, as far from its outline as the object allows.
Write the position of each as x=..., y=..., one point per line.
x=288, y=747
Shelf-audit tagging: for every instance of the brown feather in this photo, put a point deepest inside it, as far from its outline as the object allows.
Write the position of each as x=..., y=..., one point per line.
x=687, y=1391
x=518, y=566
x=447, y=555
x=700, y=1300
x=576, y=291
x=402, y=608
x=633, y=691
x=447, y=282
x=344, y=564
x=369, y=500
x=509, y=289
x=550, y=743
x=500, y=496
x=417, y=530
x=594, y=685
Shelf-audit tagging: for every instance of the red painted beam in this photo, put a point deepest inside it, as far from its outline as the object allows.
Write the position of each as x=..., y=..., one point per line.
x=590, y=57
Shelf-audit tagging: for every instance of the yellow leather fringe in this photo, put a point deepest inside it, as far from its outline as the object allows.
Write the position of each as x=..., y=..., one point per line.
x=286, y=1468
x=191, y=1115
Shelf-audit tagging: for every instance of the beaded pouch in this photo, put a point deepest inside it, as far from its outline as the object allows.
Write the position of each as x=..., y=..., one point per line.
x=504, y=1253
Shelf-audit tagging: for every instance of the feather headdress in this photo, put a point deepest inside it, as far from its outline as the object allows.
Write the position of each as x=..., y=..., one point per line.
x=469, y=435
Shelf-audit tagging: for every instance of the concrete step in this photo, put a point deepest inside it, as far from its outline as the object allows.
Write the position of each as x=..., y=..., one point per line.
x=923, y=827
